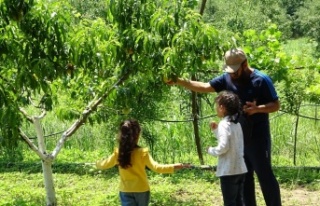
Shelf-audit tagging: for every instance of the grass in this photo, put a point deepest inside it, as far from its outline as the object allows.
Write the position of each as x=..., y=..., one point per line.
x=82, y=185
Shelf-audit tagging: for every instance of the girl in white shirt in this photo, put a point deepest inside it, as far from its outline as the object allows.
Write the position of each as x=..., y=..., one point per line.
x=231, y=167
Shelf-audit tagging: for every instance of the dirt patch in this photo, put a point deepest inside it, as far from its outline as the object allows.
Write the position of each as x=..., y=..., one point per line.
x=300, y=197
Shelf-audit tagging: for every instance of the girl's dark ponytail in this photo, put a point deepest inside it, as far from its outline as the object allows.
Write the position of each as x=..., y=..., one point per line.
x=129, y=132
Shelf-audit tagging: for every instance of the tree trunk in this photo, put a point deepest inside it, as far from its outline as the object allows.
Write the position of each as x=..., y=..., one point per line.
x=48, y=183
x=48, y=158
x=195, y=114
x=295, y=140
x=195, y=108
x=203, y=6
x=46, y=165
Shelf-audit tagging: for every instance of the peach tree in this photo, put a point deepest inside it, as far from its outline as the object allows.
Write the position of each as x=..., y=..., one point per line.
x=53, y=58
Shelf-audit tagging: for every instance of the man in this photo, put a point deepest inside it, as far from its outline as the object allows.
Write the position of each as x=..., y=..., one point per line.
x=259, y=98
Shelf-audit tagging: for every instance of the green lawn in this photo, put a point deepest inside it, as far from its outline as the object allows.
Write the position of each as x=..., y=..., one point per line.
x=82, y=186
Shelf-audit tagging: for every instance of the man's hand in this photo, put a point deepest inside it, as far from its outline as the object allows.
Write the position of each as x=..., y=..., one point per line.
x=196, y=86
x=169, y=82
x=250, y=108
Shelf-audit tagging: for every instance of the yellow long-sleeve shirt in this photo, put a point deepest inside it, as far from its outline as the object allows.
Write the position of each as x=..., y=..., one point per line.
x=134, y=178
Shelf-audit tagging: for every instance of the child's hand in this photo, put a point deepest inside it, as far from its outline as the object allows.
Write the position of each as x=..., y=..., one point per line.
x=187, y=165
x=181, y=166
x=208, y=149
x=213, y=125
x=178, y=166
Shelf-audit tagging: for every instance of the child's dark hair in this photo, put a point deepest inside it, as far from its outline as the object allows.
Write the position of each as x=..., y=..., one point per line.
x=232, y=104
x=129, y=132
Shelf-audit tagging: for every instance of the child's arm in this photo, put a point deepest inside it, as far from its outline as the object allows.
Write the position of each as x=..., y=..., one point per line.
x=223, y=141
x=161, y=168
x=107, y=163
x=214, y=126
x=179, y=166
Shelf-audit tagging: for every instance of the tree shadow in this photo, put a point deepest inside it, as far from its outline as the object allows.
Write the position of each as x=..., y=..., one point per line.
x=300, y=175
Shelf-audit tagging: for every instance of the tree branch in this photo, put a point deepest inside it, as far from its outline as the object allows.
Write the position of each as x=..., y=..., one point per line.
x=26, y=115
x=31, y=145
x=85, y=114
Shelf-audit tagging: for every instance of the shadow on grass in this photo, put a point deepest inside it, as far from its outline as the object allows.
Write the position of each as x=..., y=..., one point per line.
x=85, y=169
x=22, y=202
x=36, y=167
x=285, y=175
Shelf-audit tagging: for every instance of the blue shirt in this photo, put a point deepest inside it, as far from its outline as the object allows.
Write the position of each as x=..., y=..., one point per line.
x=260, y=89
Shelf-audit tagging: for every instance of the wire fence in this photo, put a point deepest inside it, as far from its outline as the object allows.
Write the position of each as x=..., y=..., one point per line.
x=280, y=113
x=289, y=139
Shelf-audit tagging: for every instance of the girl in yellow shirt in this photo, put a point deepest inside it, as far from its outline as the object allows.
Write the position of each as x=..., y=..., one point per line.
x=132, y=161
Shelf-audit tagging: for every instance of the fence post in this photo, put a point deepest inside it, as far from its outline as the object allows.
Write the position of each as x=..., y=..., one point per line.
x=295, y=140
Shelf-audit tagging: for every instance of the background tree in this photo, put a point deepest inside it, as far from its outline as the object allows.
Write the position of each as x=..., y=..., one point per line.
x=307, y=21
x=238, y=16
x=90, y=60
x=291, y=7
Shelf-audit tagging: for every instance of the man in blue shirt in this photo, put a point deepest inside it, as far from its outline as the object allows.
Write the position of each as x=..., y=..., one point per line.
x=259, y=98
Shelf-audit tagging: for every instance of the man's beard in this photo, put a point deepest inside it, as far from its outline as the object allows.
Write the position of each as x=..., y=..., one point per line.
x=242, y=80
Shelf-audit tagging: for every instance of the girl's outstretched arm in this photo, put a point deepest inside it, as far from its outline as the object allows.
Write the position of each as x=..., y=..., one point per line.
x=107, y=163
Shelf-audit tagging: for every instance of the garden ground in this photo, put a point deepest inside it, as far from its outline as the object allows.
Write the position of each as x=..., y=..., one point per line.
x=96, y=188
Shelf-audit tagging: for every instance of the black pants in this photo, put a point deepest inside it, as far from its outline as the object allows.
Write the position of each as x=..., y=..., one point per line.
x=232, y=189
x=258, y=160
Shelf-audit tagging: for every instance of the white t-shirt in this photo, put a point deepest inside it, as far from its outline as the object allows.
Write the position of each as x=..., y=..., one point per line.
x=229, y=149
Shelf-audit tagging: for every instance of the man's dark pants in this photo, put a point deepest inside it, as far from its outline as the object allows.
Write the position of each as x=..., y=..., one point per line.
x=258, y=159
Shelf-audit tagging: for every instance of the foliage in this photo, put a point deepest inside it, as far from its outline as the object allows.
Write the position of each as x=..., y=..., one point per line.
x=63, y=52
x=90, y=9
x=66, y=53
x=294, y=18
x=238, y=16
x=291, y=6
x=36, y=56
x=307, y=21
x=265, y=52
